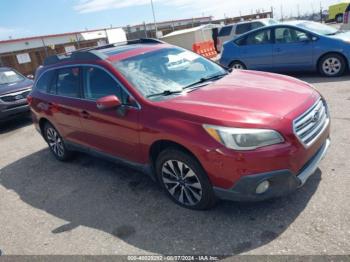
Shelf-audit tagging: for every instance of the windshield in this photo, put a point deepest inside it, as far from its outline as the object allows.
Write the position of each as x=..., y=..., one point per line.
x=9, y=77
x=166, y=70
x=318, y=28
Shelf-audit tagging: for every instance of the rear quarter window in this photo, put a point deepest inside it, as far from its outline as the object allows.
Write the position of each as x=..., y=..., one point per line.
x=45, y=81
x=241, y=41
x=225, y=31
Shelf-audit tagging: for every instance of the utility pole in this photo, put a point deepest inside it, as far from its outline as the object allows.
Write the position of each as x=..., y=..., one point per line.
x=321, y=12
x=298, y=11
x=282, y=13
x=154, y=18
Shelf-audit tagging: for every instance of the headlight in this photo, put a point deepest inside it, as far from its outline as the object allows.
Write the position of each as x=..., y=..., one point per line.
x=243, y=138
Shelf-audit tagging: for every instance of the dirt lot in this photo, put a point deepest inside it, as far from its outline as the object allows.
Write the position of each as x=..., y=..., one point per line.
x=91, y=206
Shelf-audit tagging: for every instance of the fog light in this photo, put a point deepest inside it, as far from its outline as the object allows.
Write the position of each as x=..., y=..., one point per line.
x=262, y=187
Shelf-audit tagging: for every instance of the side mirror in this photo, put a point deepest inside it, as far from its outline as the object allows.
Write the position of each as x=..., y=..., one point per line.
x=304, y=39
x=108, y=102
x=30, y=77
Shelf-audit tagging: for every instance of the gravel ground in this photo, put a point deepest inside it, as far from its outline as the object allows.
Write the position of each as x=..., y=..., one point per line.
x=90, y=206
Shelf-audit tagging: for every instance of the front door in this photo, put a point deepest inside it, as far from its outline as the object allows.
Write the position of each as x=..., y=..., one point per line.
x=112, y=131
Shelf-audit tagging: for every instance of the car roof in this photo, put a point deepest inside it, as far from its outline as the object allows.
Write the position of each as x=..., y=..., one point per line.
x=109, y=52
x=251, y=21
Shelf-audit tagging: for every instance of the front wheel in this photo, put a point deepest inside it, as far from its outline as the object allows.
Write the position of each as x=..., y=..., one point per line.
x=56, y=143
x=184, y=180
x=332, y=65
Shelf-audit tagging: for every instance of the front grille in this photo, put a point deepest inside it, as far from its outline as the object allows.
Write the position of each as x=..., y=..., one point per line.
x=312, y=123
x=15, y=96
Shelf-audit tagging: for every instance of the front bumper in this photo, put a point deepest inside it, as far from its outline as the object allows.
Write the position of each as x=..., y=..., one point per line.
x=13, y=112
x=282, y=182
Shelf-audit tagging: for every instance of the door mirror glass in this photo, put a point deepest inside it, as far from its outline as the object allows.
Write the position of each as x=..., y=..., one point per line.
x=303, y=38
x=108, y=102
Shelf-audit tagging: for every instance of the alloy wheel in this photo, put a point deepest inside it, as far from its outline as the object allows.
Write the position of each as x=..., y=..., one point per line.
x=55, y=142
x=181, y=182
x=332, y=66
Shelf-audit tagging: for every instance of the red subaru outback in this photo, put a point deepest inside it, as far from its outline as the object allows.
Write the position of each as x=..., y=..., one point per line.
x=202, y=132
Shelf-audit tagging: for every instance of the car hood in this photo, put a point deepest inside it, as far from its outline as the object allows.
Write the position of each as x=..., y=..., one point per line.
x=245, y=98
x=15, y=87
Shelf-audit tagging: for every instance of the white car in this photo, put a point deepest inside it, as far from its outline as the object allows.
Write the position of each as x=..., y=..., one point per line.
x=228, y=32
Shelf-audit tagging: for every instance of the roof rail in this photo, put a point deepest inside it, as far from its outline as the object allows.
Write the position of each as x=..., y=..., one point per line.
x=77, y=55
x=91, y=53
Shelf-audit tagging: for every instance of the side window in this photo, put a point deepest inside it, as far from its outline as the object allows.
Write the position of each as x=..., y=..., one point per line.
x=285, y=35
x=259, y=38
x=243, y=28
x=256, y=25
x=225, y=31
x=45, y=81
x=98, y=83
x=241, y=41
x=68, y=80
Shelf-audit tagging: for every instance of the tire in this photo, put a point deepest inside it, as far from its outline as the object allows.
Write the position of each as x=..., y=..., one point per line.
x=238, y=65
x=339, y=18
x=184, y=180
x=332, y=65
x=56, y=143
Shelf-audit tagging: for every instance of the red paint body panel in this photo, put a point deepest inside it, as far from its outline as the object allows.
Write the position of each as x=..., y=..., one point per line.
x=241, y=99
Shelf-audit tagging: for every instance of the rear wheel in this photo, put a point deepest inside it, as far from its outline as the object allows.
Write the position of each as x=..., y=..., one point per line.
x=184, y=180
x=332, y=65
x=56, y=143
x=339, y=18
x=238, y=65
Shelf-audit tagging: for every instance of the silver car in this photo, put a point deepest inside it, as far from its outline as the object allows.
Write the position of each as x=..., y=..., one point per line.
x=228, y=32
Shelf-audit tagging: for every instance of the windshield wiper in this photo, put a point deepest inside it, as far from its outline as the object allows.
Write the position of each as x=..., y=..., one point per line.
x=206, y=79
x=166, y=93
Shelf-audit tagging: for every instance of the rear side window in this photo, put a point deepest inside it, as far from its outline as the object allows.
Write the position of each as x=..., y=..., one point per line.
x=259, y=38
x=45, y=81
x=241, y=41
x=98, y=83
x=225, y=31
x=68, y=82
x=243, y=28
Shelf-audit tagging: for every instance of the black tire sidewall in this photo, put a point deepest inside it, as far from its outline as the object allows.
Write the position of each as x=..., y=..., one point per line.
x=208, y=197
x=238, y=63
x=339, y=19
x=66, y=153
x=342, y=61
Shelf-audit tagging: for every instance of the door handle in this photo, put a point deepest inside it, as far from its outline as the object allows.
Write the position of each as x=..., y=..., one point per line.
x=85, y=114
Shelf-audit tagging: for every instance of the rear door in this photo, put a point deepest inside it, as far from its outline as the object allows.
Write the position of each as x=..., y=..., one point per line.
x=256, y=49
x=112, y=131
x=293, y=49
x=61, y=101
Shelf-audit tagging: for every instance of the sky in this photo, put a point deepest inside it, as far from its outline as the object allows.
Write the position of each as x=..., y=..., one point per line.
x=23, y=18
